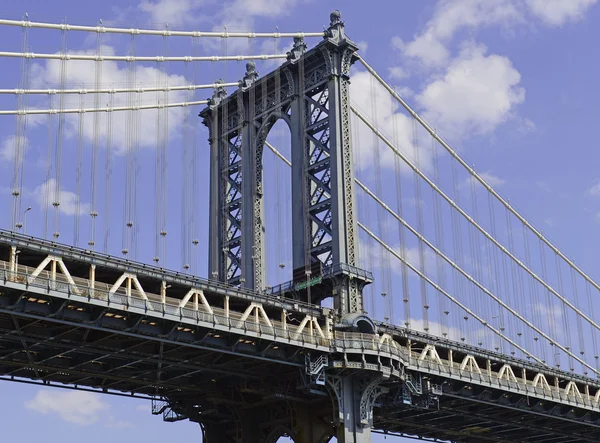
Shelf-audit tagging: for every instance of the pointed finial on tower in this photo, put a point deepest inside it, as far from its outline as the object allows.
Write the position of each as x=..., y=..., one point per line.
x=335, y=31
x=335, y=18
x=298, y=49
x=250, y=77
x=219, y=94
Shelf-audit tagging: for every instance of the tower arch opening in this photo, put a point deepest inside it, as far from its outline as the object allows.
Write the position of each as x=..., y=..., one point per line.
x=276, y=176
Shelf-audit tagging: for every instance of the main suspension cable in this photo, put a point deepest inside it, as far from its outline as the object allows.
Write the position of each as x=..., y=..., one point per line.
x=166, y=32
x=480, y=179
x=367, y=122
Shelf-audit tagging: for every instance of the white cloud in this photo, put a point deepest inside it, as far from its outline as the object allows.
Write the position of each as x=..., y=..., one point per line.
x=559, y=12
x=595, y=189
x=477, y=93
x=398, y=73
x=377, y=257
x=11, y=145
x=238, y=11
x=80, y=408
x=81, y=74
x=449, y=17
x=491, y=179
x=379, y=106
x=173, y=12
x=116, y=423
x=46, y=193
x=363, y=46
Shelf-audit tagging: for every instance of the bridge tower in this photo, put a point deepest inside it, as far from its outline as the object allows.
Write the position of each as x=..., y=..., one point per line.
x=310, y=93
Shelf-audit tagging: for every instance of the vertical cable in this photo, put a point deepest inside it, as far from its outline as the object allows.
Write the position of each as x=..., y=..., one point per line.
x=225, y=149
x=186, y=204
x=78, y=170
x=420, y=227
x=443, y=303
x=20, y=142
x=98, y=67
x=194, y=173
x=108, y=173
x=401, y=228
x=47, y=188
x=163, y=149
x=60, y=138
x=130, y=161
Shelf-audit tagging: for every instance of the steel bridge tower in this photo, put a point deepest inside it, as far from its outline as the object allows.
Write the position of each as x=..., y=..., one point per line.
x=310, y=93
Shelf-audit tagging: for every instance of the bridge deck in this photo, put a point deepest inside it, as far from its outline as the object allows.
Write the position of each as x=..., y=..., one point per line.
x=118, y=331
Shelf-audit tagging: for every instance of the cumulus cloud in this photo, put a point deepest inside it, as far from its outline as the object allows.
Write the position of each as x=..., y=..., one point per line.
x=80, y=74
x=70, y=204
x=11, y=145
x=372, y=100
x=173, y=12
x=397, y=73
x=476, y=93
x=595, y=189
x=559, y=12
x=449, y=17
x=77, y=407
x=493, y=180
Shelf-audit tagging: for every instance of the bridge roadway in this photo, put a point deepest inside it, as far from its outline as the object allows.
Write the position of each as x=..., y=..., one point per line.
x=217, y=355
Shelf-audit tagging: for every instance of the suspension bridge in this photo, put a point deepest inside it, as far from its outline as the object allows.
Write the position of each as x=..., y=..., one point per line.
x=349, y=274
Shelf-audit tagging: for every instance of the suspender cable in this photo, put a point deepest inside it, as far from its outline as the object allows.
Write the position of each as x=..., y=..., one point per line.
x=98, y=66
x=225, y=172
x=130, y=165
x=460, y=268
x=194, y=183
x=20, y=144
x=108, y=174
x=186, y=204
x=420, y=226
x=48, y=183
x=484, y=183
x=458, y=209
x=443, y=305
x=457, y=246
x=379, y=215
x=158, y=169
x=164, y=148
x=78, y=171
x=59, y=141
x=135, y=172
x=398, y=176
x=282, y=234
x=444, y=292
x=365, y=251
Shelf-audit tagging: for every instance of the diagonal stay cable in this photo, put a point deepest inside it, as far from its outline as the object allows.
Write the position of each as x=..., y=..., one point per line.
x=489, y=188
x=454, y=265
x=445, y=293
x=437, y=287
x=367, y=122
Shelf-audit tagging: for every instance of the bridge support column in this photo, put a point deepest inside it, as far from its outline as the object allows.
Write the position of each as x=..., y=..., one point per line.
x=311, y=427
x=215, y=434
x=355, y=398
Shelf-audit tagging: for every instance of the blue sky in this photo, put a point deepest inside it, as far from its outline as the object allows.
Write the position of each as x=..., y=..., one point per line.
x=508, y=82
